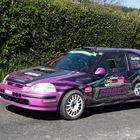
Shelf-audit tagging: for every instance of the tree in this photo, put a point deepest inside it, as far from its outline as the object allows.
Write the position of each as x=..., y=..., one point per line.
x=116, y=2
x=87, y=1
x=107, y=1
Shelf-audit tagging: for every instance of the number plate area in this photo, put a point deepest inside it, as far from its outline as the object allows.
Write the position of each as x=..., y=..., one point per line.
x=8, y=92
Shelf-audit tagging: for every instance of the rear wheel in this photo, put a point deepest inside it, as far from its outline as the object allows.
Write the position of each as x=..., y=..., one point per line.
x=72, y=105
x=137, y=89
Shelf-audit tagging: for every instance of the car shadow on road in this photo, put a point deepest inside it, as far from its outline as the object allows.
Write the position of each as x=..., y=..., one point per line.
x=111, y=108
x=40, y=115
x=89, y=112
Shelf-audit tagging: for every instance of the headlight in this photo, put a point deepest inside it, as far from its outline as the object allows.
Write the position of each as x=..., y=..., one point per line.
x=43, y=88
x=3, y=82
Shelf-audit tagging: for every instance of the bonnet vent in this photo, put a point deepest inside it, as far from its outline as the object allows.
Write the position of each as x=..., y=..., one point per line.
x=46, y=70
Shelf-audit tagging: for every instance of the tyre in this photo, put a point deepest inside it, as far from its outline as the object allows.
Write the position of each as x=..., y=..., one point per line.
x=72, y=105
x=137, y=89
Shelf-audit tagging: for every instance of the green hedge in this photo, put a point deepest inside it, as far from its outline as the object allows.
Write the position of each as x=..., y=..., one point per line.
x=35, y=31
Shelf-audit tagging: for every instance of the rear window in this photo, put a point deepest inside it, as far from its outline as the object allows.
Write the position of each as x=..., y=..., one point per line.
x=134, y=60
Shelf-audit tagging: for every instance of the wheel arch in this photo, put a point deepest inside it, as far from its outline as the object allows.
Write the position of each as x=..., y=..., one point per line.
x=65, y=92
x=133, y=85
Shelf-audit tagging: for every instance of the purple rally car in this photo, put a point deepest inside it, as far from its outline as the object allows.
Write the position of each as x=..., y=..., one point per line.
x=84, y=77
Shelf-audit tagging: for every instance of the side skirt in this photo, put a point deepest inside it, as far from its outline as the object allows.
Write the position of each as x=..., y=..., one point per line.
x=115, y=102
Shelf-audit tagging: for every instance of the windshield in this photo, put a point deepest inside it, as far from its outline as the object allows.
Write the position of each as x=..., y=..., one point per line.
x=78, y=60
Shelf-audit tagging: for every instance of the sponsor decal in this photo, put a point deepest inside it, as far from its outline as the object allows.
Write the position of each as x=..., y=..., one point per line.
x=113, y=91
x=112, y=81
x=88, y=89
x=19, y=80
x=107, y=82
x=135, y=65
x=135, y=58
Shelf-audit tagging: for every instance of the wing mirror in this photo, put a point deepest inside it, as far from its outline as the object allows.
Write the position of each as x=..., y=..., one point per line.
x=100, y=71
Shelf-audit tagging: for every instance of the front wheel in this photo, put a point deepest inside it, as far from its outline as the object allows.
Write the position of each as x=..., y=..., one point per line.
x=72, y=105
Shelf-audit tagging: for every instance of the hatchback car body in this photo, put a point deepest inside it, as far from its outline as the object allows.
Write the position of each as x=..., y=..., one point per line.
x=84, y=77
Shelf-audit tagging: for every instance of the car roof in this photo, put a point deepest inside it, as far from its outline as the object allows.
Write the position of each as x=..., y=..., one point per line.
x=112, y=49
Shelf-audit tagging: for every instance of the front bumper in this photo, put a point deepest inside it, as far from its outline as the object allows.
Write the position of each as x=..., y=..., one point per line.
x=23, y=99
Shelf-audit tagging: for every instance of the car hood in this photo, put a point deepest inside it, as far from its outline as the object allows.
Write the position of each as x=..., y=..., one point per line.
x=44, y=73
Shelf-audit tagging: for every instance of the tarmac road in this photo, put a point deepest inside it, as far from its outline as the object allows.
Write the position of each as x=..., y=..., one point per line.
x=117, y=122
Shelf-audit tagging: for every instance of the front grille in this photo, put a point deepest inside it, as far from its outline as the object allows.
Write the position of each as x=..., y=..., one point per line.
x=16, y=94
x=17, y=100
x=14, y=84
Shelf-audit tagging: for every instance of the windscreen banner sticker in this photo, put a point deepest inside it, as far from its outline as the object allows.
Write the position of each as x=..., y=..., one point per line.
x=85, y=53
x=32, y=74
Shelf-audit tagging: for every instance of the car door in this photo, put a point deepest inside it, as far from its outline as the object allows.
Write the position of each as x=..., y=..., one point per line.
x=134, y=72
x=113, y=85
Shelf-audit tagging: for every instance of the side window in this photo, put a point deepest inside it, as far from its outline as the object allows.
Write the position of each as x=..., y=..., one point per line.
x=114, y=62
x=108, y=64
x=134, y=60
x=121, y=62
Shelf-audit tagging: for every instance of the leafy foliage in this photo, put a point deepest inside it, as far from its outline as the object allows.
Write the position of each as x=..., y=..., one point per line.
x=33, y=32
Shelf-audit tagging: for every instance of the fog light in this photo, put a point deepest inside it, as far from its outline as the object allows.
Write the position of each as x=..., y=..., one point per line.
x=49, y=100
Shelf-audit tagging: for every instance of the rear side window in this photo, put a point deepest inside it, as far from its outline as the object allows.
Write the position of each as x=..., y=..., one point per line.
x=134, y=60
